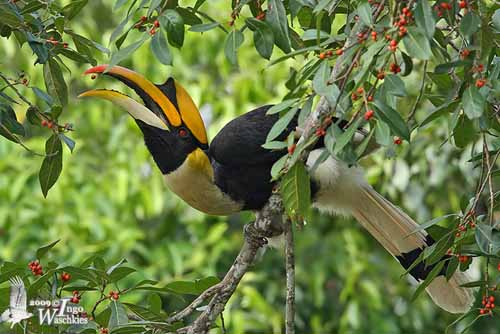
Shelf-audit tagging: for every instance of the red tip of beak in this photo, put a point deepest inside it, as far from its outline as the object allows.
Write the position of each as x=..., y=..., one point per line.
x=96, y=69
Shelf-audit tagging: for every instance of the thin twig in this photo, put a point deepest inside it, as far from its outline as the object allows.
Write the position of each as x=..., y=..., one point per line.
x=194, y=304
x=420, y=93
x=290, y=279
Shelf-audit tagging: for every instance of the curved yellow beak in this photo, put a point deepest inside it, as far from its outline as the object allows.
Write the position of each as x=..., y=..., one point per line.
x=169, y=101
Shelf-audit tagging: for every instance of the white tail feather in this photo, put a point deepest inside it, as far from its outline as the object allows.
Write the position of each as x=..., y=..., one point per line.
x=343, y=190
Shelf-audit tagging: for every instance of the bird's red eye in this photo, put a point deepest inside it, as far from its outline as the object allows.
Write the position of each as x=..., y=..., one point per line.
x=183, y=133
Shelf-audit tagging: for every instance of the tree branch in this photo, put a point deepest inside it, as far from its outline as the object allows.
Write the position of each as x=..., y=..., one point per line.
x=290, y=279
x=268, y=224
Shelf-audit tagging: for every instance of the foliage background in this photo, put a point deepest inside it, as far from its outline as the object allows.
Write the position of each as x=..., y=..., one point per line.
x=111, y=199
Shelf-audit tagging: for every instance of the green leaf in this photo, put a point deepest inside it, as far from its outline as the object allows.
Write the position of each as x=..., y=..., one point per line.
x=383, y=134
x=425, y=18
x=496, y=19
x=143, y=312
x=394, y=85
x=44, y=249
x=417, y=44
x=54, y=81
x=452, y=267
x=346, y=136
x=473, y=102
x=281, y=106
x=204, y=27
x=470, y=23
x=321, y=77
x=118, y=315
x=174, y=23
x=434, y=272
x=276, y=17
x=52, y=164
x=125, y=52
x=365, y=13
x=263, y=38
x=488, y=239
x=233, y=41
x=68, y=141
x=392, y=118
x=72, y=9
x=295, y=190
x=120, y=273
x=281, y=124
x=440, y=111
x=275, y=145
x=189, y=17
x=278, y=167
x=160, y=48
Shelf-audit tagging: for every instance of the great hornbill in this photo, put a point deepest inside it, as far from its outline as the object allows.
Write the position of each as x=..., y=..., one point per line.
x=233, y=173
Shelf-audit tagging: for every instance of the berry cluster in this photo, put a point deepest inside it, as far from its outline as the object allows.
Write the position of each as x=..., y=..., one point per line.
x=47, y=124
x=103, y=331
x=55, y=42
x=76, y=297
x=115, y=295
x=398, y=141
x=394, y=68
x=488, y=303
x=442, y=7
x=36, y=268
x=469, y=222
x=142, y=22
x=329, y=53
x=65, y=277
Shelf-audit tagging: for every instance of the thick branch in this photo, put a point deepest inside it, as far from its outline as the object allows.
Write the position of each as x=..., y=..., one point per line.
x=267, y=224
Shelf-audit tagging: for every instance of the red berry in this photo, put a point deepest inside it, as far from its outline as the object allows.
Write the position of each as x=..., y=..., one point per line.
x=465, y=53
x=393, y=42
x=65, y=277
x=76, y=293
x=322, y=55
x=444, y=5
x=360, y=90
x=498, y=267
x=44, y=123
x=339, y=52
x=152, y=31
x=457, y=234
x=261, y=16
x=406, y=10
x=75, y=300
x=329, y=53
x=143, y=18
x=480, y=83
x=395, y=68
x=462, y=4
x=374, y=34
x=369, y=114
x=320, y=132
x=492, y=299
x=381, y=75
x=156, y=23
x=65, y=45
x=398, y=141
x=50, y=125
x=292, y=148
x=354, y=96
x=482, y=311
x=370, y=98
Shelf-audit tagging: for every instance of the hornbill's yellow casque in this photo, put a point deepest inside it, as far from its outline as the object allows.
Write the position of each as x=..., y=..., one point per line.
x=233, y=173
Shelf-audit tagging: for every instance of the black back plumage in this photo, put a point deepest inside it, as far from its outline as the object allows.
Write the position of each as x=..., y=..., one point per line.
x=242, y=167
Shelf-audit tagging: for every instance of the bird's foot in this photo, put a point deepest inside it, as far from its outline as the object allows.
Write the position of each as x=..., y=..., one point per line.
x=253, y=237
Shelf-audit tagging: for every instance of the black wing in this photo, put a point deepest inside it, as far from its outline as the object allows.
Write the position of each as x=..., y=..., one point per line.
x=242, y=167
x=240, y=141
